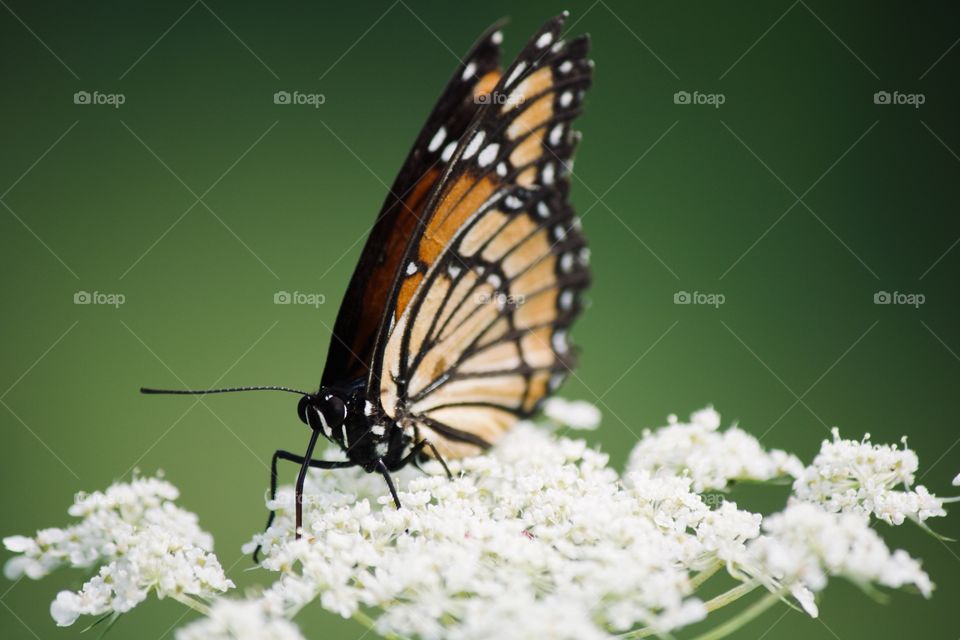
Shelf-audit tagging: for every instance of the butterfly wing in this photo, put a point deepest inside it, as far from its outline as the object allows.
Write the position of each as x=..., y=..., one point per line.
x=354, y=335
x=477, y=334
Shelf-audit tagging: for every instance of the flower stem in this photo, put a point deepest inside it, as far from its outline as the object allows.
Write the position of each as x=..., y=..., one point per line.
x=732, y=595
x=705, y=575
x=370, y=624
x=711, y=605
x=742, y=618
x=193, y=603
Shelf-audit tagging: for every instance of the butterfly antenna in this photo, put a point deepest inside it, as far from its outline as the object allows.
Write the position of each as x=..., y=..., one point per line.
x=192, y=392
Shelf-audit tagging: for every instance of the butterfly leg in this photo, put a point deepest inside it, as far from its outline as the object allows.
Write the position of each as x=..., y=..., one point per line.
x=280, y=454
x=417, y=449
x=385, y=472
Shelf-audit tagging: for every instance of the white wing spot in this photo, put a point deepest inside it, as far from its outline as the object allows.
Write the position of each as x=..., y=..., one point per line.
x=515, y=73
x=469, y=70
x=474, y=145
x=488, y=155
x=547, y=173
x=453, y=270
x=565, y=66
x=544, y=40
x=559, y=232
x=437, y=139
x=560, y=44
x=502, y=169
x=378, y=430
x=566, y=300
x=497, y=37
x=585, y=256
x=494, y=280
x=556, y=134
x=543, y=209
x=566, y=98
x=411, y=268
x=368, y=408
x=513, y=202
x=566, y=262
x=448, y=151
x=560, y=342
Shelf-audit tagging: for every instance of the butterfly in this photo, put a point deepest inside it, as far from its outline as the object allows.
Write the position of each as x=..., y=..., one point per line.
x=455, y=322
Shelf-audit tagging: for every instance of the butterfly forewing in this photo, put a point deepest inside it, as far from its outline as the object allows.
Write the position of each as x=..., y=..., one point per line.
x=477, y=334
x=354, y=336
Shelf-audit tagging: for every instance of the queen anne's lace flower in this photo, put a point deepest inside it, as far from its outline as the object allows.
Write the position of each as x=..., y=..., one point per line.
x=575, y=414
x=239, y=620
x=861, y=477
x=540, y=524
x=144, y=541
x=804, y=545
x=538, y=538
x=712, y=458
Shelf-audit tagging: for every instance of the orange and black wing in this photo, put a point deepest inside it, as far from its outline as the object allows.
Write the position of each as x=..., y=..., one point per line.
x=354, y=335
x=476, y=334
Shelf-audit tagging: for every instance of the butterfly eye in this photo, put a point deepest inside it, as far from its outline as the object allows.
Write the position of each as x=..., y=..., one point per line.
x=302, y=408
x=333, y=411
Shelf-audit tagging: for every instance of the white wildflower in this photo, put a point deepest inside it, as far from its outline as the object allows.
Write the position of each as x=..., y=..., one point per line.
x=576, y=414
x=143, y=540
x=804, y=545
x=239, y=620
x=538, y=537
x=712, y=458
x=852, y=476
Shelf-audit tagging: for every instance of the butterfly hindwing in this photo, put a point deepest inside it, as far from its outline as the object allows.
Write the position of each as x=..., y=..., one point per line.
x=477, y=332
x=358, y=323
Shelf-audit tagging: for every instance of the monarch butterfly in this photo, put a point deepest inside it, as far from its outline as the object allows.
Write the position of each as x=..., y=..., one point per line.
x=454, y=324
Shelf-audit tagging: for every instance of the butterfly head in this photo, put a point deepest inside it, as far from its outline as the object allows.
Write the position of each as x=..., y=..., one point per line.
x=323, y=412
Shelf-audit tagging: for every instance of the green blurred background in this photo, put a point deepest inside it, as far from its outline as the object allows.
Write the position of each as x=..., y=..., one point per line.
x=675, y=197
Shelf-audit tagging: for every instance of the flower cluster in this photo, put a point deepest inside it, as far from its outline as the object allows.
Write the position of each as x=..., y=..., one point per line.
x=850, y=476
x=538, y=538
x=805, y=544
x=712, y=458
x=144, y=542
x=538, y=535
